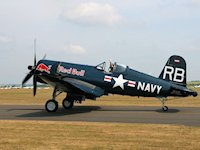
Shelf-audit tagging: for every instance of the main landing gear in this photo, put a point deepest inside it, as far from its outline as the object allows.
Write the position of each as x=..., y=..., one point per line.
x=163, y=101
x=52, y=105
x=68, y=103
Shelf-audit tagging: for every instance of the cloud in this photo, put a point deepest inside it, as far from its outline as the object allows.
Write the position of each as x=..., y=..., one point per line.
x=93, y=13
x=5, y=39
x=76, y=49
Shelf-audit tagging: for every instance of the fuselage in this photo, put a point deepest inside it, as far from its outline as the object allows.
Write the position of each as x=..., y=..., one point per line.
x=81, y=82
x=122, y=80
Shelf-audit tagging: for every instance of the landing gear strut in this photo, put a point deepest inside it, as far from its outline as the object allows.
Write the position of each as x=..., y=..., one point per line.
x=68, y=102
x=163, y=101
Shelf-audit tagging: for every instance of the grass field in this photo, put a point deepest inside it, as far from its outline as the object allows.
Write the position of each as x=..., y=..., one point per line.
x=25, y=97
x=22, y=135
x=96, y=136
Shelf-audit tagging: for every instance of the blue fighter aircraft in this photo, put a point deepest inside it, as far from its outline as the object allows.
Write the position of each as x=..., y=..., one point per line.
x=82, y=82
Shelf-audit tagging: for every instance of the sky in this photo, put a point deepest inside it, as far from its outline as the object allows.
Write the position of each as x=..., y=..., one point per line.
x=142, y=34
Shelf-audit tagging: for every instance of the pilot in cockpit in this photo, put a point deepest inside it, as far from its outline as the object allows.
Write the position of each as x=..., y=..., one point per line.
x=111, y=66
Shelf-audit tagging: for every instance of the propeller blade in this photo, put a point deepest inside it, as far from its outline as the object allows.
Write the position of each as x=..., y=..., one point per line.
x=28, y=76
x=34, y=85
x=35, y=59
x=34, y=52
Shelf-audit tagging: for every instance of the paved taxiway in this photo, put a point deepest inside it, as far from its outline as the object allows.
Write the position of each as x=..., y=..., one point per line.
x=125, y=114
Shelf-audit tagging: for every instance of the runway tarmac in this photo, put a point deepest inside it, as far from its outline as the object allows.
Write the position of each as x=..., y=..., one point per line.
x=124, y=114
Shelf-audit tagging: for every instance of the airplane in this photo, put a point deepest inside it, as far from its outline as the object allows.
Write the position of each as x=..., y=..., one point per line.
x=81, y=82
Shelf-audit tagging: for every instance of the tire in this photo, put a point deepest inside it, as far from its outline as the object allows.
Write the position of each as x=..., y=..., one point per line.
x=67, y=104
x=165, y=108
x=51, y=105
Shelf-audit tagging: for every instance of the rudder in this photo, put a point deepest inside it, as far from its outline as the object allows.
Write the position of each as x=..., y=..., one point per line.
x=175, y=70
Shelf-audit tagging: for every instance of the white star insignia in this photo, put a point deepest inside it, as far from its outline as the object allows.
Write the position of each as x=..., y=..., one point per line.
x=119, y=81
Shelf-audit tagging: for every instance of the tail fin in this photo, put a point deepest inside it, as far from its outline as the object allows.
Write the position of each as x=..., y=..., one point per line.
x=175, y=70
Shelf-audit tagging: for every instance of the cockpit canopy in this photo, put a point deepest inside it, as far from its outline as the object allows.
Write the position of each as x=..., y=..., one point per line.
x=113, y=68
x=119, y=68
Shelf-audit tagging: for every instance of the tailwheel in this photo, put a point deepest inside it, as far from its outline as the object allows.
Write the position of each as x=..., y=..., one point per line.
x=51, y=105
x=165, y=108
x=67, y=103
x=163, y=101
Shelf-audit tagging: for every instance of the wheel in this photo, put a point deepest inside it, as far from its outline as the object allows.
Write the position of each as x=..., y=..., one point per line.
x=67, y=104
x=165, y=108
x=51, y=105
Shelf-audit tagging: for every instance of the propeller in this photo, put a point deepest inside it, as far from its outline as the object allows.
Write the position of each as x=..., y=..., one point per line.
x=32, y=72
